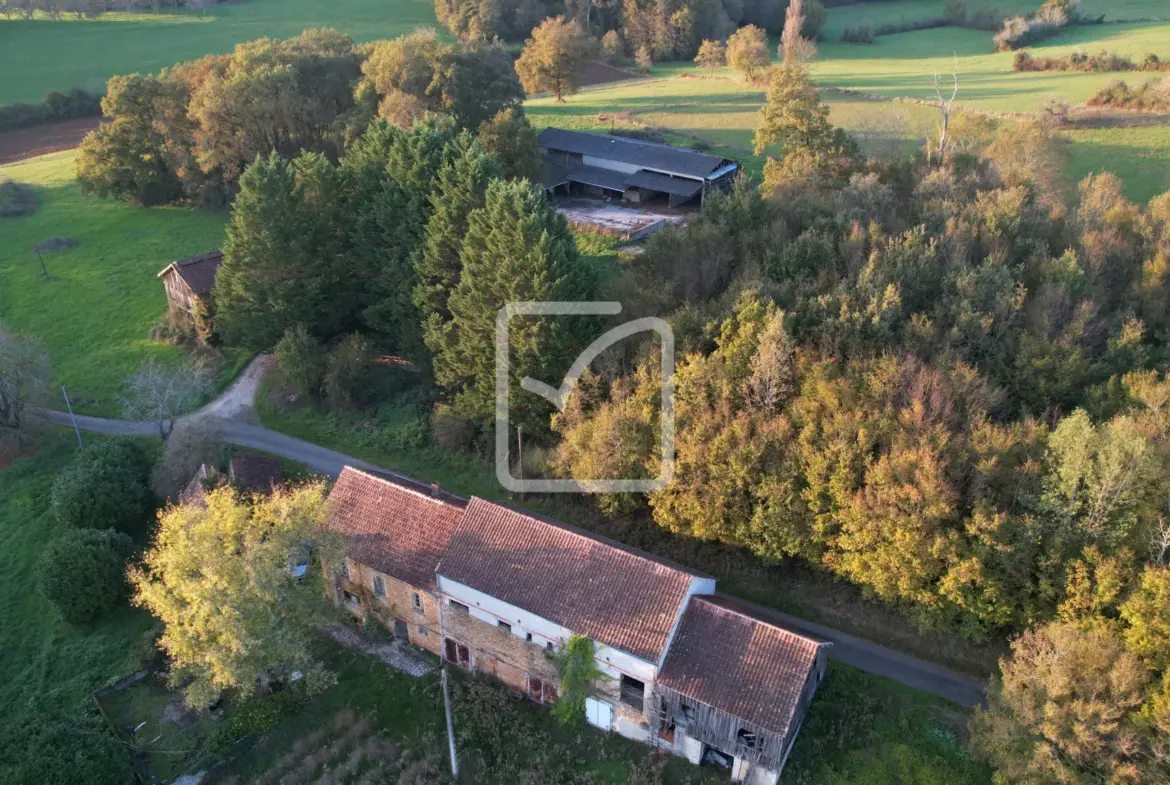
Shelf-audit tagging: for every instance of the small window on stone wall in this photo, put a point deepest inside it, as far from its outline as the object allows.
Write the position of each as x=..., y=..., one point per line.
x=379, y=586
x=415, y=601
x=457, y=607
x=503, y=625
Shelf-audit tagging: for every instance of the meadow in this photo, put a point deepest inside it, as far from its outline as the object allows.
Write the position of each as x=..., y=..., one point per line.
x=102, y=297
x=42, y=54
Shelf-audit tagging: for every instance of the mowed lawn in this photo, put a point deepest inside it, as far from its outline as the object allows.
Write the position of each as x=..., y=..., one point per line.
x=96, y=311
x=42, y=55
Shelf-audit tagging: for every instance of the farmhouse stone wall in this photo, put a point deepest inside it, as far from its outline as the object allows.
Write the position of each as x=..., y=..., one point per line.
x=422, y=624
x=498, y=652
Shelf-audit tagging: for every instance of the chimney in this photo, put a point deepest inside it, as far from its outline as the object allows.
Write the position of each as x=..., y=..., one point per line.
x=434, y=488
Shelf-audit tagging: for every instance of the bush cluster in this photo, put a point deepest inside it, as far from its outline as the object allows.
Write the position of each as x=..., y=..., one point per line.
x=1152, y=96
x=16, y=199
x=83, y=573
x=105, y=487
x=1049, y=20
x=1100, y=62
x=56, y=107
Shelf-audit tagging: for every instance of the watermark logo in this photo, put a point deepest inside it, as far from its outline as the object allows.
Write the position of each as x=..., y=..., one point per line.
x=559, y=395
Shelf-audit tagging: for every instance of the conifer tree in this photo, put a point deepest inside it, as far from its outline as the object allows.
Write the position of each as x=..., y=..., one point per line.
x=518, y=248
x=282, y=253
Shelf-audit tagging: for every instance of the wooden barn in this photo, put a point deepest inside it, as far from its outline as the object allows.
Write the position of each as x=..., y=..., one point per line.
x=188, y=280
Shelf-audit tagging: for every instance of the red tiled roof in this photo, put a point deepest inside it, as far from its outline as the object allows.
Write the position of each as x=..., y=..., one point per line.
x=616, y=595
x=198, y=272
x=742, y=665
x=394, y=527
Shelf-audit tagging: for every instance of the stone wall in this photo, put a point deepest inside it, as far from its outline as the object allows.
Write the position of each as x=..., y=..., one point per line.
x=398, y=602
x=498, y=652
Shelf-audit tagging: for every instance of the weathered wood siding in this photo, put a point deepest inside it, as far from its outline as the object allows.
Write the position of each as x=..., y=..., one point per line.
x=720, y=729
x=178, y=293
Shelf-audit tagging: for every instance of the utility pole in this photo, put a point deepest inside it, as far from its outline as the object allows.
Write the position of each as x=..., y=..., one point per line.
x=443, y=672
x=450, y=724
x=520, y=450
x=69, y=406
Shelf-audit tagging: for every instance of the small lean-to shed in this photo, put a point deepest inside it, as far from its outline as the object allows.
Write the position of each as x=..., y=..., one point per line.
x=185, y=280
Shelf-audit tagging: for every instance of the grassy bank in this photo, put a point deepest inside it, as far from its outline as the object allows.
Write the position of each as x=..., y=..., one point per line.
x=96, y=310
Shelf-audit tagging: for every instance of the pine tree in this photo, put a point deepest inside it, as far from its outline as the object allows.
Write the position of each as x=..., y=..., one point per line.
x=459, y=189
x=517, y=249
x=282, y=253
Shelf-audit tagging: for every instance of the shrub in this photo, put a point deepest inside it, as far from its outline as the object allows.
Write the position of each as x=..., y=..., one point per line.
x=302, y=361
x=105, y=487
x=83, y=573
x=16, y=199
x=613, y=51
x=257, y=715
x=857, y=35
x=450, y=430
x=894, y=28
x=1153, y=96
x=1054, y=111
x=348, y=379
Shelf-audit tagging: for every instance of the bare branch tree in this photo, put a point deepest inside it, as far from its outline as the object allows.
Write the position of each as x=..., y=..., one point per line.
x=156, y=393
x=944, y=105
x=1160, y=543
x=794, y=47
x=24, y=378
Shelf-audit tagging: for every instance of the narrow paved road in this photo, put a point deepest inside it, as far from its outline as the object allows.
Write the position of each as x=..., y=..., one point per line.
x=232, y=416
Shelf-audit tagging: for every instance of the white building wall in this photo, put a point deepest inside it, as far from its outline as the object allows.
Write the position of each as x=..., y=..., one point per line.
x=492, y=610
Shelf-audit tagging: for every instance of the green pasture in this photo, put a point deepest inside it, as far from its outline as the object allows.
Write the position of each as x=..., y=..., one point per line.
x=883, y=13
x=723, y=111
x=102, y=297
x=42, y=54
x=902, y=64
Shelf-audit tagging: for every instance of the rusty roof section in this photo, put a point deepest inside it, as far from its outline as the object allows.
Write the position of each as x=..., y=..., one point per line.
x=198, y=272
x=254, y=472
x=616, y=595
x=397, y=527
x=739, y=664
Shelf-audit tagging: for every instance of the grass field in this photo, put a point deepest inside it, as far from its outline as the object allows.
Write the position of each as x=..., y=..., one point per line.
x=49, y=666
x=69, y=53
x=96, y=310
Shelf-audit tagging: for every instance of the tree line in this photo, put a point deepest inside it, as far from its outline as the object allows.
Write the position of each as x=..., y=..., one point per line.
x=188, y=132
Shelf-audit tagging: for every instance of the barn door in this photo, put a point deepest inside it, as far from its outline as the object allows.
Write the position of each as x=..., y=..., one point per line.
x=599, y=714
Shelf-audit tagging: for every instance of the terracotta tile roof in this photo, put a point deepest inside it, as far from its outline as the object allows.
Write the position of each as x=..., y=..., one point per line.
x=198, y=272
x=396, y=527
x=616, y=595
x=194, y=491
x=740, y=664
x=254, y=472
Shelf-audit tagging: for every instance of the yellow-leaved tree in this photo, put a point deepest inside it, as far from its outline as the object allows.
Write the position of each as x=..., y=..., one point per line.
x=223, y=577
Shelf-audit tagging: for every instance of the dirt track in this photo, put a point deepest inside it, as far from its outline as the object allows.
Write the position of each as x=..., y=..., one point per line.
x=31, y=142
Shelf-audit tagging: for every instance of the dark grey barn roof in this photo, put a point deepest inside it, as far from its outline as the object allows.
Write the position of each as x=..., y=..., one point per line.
x=665, y=184
x=649, y=155
x=602, y=178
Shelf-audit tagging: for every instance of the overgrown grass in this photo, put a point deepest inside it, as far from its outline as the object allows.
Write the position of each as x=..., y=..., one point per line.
x=42, y=55
x=50, y=667
x=96, y=310
x=865, y=730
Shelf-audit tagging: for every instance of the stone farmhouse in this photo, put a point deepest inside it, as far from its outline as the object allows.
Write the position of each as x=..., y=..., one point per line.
x=498, y=590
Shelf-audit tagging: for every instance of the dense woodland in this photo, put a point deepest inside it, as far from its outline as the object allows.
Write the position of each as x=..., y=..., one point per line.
x=938, y=377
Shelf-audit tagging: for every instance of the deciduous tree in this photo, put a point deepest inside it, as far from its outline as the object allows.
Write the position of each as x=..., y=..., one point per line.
x=747, y=51
x=24, y=379
x=712, y=55
x=552, y=56
x=161, y=393
x=218, y=577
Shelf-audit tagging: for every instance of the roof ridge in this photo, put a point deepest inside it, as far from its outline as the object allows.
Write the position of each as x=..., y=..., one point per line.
x=402, y=486
x=710, y=600
x=597, y=538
